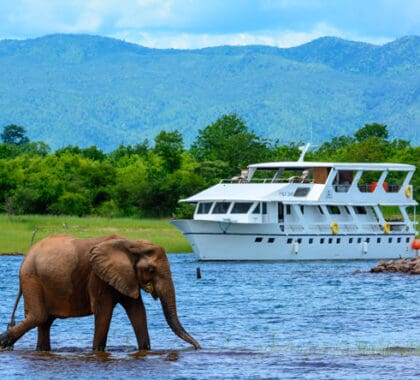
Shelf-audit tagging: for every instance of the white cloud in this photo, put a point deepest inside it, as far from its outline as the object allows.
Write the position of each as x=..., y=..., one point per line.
x=278, y=38
x=200, y=23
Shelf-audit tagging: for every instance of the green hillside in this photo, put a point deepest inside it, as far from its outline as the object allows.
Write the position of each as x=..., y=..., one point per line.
x=85, y=90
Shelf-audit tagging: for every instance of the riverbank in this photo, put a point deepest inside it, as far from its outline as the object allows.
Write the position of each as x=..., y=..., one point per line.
x=17, y=233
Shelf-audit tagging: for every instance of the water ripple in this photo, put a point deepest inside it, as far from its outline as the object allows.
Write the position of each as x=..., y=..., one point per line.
x=311, y=320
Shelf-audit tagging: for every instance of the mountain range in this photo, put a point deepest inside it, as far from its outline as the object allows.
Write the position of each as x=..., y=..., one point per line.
x=89, y=90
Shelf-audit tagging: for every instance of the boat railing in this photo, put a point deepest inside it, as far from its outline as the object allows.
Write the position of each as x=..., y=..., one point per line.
x=254, y=180
x=346, y=228
x=295, y=180
x=339, y=188
x=326, y=228
x=370, y=187
x=294, y=228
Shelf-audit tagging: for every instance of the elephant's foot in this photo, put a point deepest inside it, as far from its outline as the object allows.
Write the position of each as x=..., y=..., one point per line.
x=144, y=347
x=98, y=348
x=6, y=343
x=42, y=347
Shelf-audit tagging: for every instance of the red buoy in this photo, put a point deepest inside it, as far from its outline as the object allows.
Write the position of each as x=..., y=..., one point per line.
x=416, y=244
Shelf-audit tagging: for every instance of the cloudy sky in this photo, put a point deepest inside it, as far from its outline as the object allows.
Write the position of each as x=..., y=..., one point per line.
x=201, y=23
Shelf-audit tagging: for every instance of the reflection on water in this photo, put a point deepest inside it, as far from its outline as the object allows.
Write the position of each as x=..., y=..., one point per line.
x=308, y=320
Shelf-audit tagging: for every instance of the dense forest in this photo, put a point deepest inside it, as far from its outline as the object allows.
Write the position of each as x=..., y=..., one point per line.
x=148, y=178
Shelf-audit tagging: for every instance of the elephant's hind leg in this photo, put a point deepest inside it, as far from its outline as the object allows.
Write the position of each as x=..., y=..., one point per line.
x=9, y=337
x=43, y=343
x=6, y=341
x=35, y=314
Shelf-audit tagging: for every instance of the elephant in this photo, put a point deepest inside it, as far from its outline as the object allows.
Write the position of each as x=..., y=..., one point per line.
x=63, y=276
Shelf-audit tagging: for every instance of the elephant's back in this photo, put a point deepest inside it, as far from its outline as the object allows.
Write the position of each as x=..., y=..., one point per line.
x=54, y=254
x=59, y=255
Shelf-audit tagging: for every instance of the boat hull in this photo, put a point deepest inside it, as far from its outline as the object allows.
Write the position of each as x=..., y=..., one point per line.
x=212, y=241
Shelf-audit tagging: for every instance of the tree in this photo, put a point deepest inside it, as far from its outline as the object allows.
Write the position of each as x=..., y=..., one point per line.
x=123, y=153
x=169, y=146
x=229, y=140
x=334, y=150
x=372, y=130
x=14, y=135
x=288, y=152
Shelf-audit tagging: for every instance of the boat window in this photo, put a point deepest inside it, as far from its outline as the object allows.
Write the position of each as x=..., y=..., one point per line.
x=221, y=208
x=288, y=209
x=264, y=208
x=343, y=181
x=407, y=240
x=204, y=208
x=311, y=240
x=271, y=240
x=289, y=241
x=395, y=180
x=302, y=192
x=241, y=207
x=258, y=208
x=322, y=241
x=369, y=180
x=392, y=213
x=350, y=240
x=258, y=239
x=390, y=240
x=280, y=211
x=333, y=210
x=330, y=240
x=360, y=210
x=399, y=240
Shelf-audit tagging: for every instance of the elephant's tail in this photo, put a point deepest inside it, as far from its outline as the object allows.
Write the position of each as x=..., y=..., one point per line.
x=12, y=318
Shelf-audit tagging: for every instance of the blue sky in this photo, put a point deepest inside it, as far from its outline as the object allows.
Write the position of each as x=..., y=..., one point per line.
x=200, y=23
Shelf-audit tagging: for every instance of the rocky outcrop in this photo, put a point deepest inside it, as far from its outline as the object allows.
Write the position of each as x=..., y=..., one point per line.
x=409, y=266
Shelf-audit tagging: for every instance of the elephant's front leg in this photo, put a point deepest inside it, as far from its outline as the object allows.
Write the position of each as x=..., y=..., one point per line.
x=137, y=315
x=103, y=314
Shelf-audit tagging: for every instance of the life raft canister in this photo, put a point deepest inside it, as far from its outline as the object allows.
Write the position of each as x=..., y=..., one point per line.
x=407, y=191
x=387, y=228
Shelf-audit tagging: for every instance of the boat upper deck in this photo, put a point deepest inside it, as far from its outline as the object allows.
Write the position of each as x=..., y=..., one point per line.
x=317, y=183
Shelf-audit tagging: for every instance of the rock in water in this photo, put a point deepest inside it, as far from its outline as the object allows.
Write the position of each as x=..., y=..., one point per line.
x=409, y=266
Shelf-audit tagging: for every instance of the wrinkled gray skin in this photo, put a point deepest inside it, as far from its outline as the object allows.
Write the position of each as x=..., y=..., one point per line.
x=63, y=276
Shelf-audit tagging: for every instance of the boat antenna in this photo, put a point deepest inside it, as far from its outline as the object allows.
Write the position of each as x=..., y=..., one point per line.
x=303, y=149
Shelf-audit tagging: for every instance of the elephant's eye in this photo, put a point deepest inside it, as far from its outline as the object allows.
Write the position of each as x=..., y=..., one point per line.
x=151, y=269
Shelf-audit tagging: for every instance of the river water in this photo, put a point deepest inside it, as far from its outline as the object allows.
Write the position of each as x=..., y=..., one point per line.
x=254, y=320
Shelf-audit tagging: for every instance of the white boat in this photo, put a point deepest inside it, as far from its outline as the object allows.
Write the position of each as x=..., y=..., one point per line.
x=306, y=211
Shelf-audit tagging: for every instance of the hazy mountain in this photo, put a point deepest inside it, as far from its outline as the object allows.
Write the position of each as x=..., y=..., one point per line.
x=84, y=90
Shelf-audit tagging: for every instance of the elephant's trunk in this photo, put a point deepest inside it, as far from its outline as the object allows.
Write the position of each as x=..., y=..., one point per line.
x=169, y=309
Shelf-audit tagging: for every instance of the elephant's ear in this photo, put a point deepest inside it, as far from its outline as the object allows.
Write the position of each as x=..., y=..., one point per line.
x=113, y=262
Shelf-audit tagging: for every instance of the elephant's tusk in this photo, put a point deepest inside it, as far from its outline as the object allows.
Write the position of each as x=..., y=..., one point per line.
x=149, y=287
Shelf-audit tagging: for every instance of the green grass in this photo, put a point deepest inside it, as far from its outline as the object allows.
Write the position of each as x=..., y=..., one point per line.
x=17, y=232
